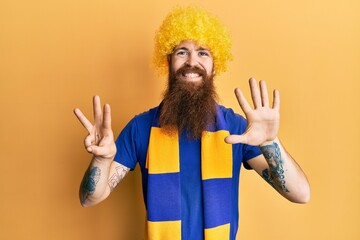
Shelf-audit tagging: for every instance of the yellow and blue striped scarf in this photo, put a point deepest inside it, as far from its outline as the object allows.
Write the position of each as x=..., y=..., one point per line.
x=164, y=188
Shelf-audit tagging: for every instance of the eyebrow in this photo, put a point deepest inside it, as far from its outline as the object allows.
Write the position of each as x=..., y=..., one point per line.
x=198, y=49
x=181, y=48
x=202, y=49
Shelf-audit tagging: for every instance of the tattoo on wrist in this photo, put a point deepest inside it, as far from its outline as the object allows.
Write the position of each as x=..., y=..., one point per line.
x=119, y=174
x=88, y=185
x=276, y=175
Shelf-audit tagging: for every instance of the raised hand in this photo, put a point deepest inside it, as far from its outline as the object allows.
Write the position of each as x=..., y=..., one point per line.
x=100, y=140
x=263, y=121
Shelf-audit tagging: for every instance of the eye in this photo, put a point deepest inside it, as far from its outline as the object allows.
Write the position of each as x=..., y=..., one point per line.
x=204, y=54
x=181, y=53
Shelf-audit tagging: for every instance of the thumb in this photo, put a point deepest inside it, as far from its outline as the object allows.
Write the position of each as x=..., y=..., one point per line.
x=234, y=139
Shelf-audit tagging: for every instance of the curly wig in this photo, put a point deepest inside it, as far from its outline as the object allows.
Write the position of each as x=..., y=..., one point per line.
x=195, y=24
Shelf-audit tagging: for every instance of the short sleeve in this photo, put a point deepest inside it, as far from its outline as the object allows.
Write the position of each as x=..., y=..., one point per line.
x=126, y=145
x=249, y=153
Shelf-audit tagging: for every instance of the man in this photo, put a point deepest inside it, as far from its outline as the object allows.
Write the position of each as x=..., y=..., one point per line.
x=189, y=148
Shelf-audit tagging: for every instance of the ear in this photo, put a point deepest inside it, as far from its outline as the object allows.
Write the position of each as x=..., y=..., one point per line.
x=213, y=71
x=169, y=58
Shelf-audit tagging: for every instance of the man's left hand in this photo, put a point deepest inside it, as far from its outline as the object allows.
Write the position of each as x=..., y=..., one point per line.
x=263, y=121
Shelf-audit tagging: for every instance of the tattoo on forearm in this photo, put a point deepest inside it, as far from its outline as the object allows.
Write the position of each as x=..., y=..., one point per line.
x=90, y=180
x=267, y=176
x=276, y=175
x=119, y=174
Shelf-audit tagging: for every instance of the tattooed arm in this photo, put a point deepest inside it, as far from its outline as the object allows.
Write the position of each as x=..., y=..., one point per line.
x=103, y=173
x=281, y=171
x=99, y=181
x=275, y=165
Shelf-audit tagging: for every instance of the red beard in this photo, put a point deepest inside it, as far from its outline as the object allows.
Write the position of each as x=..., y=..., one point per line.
x=188, y=106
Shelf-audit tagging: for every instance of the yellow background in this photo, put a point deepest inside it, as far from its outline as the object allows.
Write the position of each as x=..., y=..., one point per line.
x=55, y=55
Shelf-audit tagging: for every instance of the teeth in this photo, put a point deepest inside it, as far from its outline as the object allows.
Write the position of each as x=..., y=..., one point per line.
x=192, y=75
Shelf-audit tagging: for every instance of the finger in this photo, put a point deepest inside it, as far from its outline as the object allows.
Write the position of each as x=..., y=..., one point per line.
x=99, y=150
x=276, y=102
x=89, y=140
x=264, y=94
x=88, y=143
x=242, y=101
x=234, y=139
x=107, y=117
x=83, y=120
x=97, y=110
x=255, y=93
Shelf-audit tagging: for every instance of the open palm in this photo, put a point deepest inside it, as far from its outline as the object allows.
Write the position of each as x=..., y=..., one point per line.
x=263, y=121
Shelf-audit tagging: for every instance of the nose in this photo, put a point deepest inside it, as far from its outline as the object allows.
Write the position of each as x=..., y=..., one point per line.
x=192, y=60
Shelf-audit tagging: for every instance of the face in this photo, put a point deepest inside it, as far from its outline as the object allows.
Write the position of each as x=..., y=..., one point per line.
x=190, y=99
x=188, y=55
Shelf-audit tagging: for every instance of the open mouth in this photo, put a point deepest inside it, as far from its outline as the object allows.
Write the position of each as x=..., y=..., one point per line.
x=193, y=74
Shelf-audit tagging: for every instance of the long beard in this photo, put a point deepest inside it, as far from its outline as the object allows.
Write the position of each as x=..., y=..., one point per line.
x=188, y=106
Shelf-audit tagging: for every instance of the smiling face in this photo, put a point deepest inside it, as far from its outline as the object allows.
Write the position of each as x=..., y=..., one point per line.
x=189, y=102
x=190, y=62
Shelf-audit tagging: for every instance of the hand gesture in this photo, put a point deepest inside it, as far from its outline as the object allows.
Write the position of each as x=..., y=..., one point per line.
x=263, y=121
x=100, y=140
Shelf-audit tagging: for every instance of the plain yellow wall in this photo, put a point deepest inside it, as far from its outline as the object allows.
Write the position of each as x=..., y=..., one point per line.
x=55, y=55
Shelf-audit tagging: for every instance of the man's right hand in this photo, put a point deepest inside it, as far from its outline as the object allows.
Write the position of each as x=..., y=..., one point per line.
x=100, y=141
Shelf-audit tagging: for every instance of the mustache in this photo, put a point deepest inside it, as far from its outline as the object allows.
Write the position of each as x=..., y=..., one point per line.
x=188, y=69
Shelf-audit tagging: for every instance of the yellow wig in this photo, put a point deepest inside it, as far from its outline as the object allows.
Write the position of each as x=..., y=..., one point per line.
x=196, y=24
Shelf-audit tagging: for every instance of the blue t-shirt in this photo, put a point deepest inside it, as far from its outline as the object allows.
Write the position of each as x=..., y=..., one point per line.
x=132, y=145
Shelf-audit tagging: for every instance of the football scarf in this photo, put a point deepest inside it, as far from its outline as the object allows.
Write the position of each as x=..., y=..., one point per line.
x=164, y=185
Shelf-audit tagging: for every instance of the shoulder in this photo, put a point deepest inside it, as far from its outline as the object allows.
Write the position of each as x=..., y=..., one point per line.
x=229, y=112
x=147, y=116
x=140, y=124
x=144, y=119
x=232, y=118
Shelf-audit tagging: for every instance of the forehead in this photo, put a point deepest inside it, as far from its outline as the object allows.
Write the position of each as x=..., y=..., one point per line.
x=188, y=44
